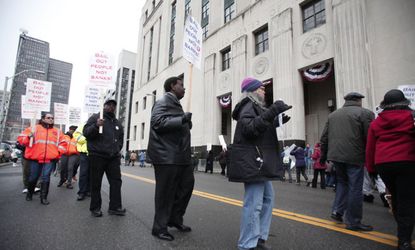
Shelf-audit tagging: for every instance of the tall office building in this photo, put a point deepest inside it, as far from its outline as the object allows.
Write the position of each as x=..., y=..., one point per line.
x=124, y=92
x=33, y=55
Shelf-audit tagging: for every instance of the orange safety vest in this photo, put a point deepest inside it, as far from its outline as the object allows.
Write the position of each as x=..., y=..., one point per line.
x=71, y=150
x=48, y=143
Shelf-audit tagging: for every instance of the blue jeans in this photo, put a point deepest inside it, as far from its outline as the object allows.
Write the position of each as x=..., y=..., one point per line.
x=40, y=169
x=256, y=213
x=349, y=192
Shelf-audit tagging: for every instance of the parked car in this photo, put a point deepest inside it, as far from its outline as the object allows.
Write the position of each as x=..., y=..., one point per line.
x=5, y=152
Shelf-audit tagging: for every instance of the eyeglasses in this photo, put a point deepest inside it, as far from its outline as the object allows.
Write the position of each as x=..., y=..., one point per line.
x=49, y=118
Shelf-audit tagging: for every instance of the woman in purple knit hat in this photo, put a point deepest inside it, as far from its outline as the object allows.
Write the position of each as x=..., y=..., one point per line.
x=255, y=160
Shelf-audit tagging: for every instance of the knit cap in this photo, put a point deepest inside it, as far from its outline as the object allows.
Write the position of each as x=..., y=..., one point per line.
x=250, y=84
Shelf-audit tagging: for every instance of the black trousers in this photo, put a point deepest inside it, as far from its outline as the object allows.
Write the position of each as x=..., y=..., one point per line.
x=301, y=170
x=111, y=167
x=399, y=179
x=174, y=187
x=322, y=173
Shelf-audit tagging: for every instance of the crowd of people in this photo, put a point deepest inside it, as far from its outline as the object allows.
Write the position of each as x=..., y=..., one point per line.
x=352, y=141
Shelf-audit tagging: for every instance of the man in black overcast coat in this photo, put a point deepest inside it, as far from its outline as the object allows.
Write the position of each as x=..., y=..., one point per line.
x=170, y=152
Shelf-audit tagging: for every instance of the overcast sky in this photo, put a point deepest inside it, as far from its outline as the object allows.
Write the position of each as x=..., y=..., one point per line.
x=75, y=29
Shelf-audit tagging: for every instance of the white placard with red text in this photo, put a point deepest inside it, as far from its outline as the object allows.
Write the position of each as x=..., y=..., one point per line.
x=192, y=42
x=38, y=94
x=101, y=70
x=91, y=100
x=60, y=113
x=27, y=112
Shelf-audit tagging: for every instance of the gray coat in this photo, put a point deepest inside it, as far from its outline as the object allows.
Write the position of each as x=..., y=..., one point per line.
x=344, y=136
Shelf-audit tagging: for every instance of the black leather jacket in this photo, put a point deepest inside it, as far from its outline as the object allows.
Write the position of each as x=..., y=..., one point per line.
x=110, y=142
x=169, y=142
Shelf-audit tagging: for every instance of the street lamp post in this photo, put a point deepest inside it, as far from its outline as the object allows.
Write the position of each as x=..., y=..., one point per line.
x=4, y=102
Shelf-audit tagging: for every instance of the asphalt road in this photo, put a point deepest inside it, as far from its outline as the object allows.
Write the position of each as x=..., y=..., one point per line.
x=300, y=221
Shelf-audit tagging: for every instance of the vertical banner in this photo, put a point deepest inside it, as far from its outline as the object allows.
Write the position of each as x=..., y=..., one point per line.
x=60, y=113
x=38, y=94
x=409, y=92
x=91, y=100
x=192, y=42
x=101, y=70
x=74, y=116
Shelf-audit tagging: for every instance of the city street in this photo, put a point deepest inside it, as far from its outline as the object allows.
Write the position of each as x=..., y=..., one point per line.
x=300, y=221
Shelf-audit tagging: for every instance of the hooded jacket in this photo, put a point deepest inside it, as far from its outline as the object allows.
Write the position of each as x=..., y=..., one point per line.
x=391, y=139
x=253, y=156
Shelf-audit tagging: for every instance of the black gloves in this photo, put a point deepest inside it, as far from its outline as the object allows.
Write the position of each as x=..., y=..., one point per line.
x=187, y=117
x=276, y=108
x=285, y=119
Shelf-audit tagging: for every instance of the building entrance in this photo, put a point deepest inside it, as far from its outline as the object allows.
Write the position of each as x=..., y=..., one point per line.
x=319, y=99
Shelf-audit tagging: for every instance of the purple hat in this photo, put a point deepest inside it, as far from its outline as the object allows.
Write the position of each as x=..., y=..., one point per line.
x=250, y=84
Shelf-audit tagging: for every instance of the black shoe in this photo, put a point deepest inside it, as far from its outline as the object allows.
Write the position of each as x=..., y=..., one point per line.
x=337, y=217
x=368, y=198
x=385, y=202
x=163, y=236
x=28, y=196
x=69, y=186
x=180, y=227
x=262, y=245
x=118, y=211
x=61, y=183
x=96, y=213
x=360, y=227
x=80, y=197
x=405, y=246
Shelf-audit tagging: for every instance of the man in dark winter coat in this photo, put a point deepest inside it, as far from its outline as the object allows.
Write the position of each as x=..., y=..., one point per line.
x=170, y=152
x=104, y=156
x=255, y=161
x=343, y=142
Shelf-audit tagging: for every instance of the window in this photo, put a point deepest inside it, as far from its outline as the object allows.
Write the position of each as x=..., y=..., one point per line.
x=226, y=58
x=314, y=15
x=261, y=40
x=135, y=133
x=154, y=96
x=229, y=10
x=205, y=17
x=144, y=102
x=172, y=31
x=187, y=9
x=142, y=130
x=149, y=54
x=136, y=107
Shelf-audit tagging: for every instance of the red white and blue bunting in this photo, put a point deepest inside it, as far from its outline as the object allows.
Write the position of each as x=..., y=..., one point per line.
x=225, y=101
x=319, y=72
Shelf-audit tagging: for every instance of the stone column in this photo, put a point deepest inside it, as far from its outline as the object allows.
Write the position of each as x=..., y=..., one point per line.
x=287, y=83
x=210, y=121
x=239, y=70
x=351, y=57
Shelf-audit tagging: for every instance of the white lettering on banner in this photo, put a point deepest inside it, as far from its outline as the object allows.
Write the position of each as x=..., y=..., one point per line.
x=192, y=42
x=409, y=92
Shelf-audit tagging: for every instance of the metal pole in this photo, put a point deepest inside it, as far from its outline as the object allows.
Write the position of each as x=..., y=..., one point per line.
x=3, y=109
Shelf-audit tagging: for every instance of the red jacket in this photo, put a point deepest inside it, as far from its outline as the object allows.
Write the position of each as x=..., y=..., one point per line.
x=316, y=158
x=48, y=143
x=391, y=138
